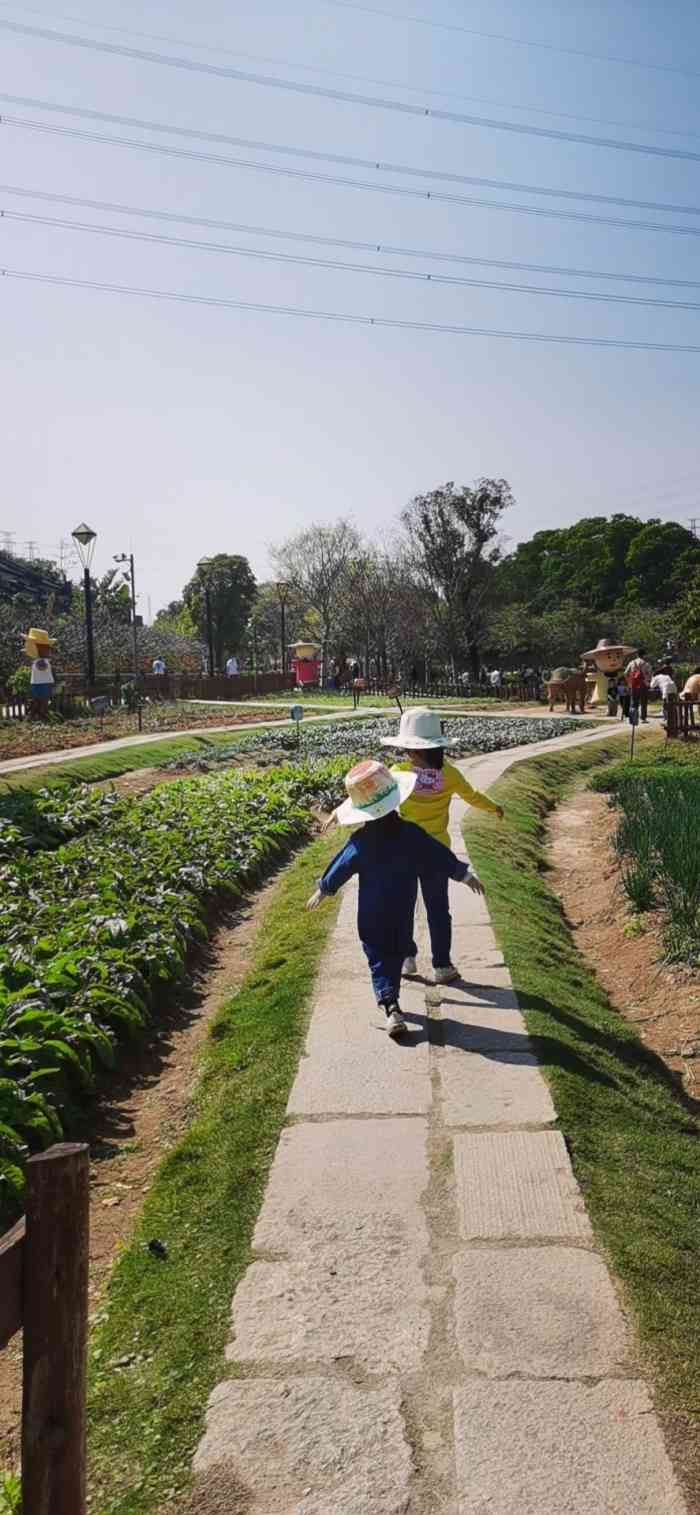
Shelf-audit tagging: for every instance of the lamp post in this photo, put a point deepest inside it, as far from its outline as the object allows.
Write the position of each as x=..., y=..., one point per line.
x=85, y=538
x=128, y=557
x=253, y=629
x=283, y=596
x=204, y=566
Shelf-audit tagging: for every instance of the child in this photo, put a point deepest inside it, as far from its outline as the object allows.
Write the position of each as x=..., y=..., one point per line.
x=388, y=856
x=420, y=736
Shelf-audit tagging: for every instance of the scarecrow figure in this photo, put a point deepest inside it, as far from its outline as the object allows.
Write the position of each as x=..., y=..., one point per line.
x=37, y=646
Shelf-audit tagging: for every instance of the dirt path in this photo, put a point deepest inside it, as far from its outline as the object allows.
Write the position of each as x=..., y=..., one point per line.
x=663, y=1002
x=139, y=1114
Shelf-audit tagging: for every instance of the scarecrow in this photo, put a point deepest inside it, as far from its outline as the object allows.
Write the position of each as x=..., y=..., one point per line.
x=37, y=646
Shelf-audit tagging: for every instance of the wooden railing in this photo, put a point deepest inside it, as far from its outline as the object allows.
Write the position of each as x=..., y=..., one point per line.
x=44, y=1293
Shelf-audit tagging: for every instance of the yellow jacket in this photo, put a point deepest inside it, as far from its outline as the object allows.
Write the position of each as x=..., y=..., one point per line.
x=431, y=810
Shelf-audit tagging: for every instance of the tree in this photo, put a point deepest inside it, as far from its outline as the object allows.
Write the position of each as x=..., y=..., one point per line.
x=317, y=563
x=598, y=563
x=176, y=617
x=231, y=587
x=452, y=533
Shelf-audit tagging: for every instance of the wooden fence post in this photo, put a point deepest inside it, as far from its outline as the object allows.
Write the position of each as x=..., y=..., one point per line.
x=55, y=1331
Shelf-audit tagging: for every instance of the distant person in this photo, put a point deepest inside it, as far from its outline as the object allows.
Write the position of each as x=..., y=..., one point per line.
x=638, y=676
x=623, y=697
x=495, y=679
x=231, y=666
x=664, y=684
x=158, y=665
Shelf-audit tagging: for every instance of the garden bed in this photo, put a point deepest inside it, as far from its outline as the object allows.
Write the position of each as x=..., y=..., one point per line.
x=26, y=738
x=102, y=899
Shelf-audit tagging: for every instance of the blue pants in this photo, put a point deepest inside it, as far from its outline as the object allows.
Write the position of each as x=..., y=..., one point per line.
x=385, y=968
x=435, y=891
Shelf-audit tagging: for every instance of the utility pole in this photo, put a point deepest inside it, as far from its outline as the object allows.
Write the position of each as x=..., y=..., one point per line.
x=128, y=557
x=694, y=524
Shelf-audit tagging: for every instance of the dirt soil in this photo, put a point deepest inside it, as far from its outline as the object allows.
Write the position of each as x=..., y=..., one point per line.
x=663, y=1002
x=139, y=1114
x=27, y=738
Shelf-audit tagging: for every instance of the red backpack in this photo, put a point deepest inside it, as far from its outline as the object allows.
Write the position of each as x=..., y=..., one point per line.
x=637, y=679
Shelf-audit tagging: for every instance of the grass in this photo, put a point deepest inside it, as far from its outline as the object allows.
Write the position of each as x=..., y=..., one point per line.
x=158, y=1349
x=633, y=1143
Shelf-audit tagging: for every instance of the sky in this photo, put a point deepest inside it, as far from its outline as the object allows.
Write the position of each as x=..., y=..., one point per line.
x=178, y=430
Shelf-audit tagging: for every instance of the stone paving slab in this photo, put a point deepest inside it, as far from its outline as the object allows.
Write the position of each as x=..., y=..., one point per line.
x=503, y=1088
x=561, y=1449
x=472, y=1026
x=351, y=1066
x=307, y=1446
x=343, y=1206
x=546, y=1312
x=517, y=1184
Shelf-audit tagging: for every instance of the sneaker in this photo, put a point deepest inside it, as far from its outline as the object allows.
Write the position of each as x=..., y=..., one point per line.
x=410, y=967
x=446, y=975
x=395, y=1023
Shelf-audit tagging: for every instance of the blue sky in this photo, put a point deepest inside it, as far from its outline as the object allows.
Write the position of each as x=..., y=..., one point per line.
x=186, y=430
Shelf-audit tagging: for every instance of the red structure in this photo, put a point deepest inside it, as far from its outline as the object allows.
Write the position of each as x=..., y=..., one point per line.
x=305, y=662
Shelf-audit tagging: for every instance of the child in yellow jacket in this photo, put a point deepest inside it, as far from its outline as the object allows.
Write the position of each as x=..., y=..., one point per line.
x=420, y=737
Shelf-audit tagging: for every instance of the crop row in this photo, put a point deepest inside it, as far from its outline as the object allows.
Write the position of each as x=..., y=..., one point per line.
x=472, y=734
x=95, y=928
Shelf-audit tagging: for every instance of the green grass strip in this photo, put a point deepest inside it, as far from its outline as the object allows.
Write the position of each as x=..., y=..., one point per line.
x=633, y=1144
x=169, y=1318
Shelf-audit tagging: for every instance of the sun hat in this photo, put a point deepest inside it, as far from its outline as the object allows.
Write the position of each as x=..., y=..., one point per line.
x=34, y=635
x=420, y=729
x=373, y=792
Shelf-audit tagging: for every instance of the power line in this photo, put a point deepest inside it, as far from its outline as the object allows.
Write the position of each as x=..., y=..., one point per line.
x=382, y=248
x=307, y=176
x=449, y=329
x=262, y=255
x=550, y=47
x=347, y=161
x=321, y=92
x=313, y=68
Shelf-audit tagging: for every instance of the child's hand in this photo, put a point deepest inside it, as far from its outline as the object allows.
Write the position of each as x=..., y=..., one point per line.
x=315, y=900
x=330, y=821
x=499, y=812
x=474, y=884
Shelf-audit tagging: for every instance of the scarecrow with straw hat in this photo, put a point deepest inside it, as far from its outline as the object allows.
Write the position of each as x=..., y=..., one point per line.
x=37, y=646
x=388, y=856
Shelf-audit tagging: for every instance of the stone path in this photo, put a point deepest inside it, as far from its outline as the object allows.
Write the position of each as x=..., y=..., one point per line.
x=427, y=1326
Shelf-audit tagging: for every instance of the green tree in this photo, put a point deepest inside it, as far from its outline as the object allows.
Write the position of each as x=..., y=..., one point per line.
x=317, y=563
x=453, y=536
x=231, y=587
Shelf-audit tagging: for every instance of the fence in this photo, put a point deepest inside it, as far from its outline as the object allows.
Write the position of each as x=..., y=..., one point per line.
x=44, y=1292
x=73, y=692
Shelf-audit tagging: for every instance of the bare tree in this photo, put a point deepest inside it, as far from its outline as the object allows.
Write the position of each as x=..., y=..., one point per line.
x=317, y=563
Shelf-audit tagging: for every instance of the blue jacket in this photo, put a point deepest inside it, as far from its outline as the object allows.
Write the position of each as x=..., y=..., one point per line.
x=389, y=865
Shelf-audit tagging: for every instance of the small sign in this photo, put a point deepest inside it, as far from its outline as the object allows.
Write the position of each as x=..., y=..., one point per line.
x=634, y=715
x=297, y=713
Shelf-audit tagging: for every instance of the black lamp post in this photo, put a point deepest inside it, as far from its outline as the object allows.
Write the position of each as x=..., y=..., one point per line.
x=128, y=557
x=85, y=538
x=204, y=566
x=283, y=597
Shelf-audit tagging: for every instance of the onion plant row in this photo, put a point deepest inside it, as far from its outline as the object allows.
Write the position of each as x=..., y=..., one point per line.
x=102, y=899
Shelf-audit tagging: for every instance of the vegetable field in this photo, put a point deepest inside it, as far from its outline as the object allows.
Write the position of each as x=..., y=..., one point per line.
x=658, y=841
x=344, y=738
x=101, y=899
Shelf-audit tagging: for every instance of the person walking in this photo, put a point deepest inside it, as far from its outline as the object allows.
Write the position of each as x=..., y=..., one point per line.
x=388, y=855
x=638, y=676
x=664, y=684
x=158, y=665
x=420, y=736
x=231, y=666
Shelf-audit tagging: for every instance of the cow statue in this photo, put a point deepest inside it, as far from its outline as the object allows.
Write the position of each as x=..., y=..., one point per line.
x=567, y=684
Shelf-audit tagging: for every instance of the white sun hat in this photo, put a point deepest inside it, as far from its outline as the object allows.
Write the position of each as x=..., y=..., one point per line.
x=420, y=728
x=373, y=792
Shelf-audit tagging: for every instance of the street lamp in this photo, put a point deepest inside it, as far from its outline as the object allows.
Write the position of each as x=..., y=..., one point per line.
x=85, y=538
x=128, y=557
x=253, y=629
x=204, y=565
x=283, y=592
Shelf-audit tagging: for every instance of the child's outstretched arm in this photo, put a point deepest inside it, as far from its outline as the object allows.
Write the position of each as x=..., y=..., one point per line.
x=342, y=868
x=438, y=859
x=473, y=796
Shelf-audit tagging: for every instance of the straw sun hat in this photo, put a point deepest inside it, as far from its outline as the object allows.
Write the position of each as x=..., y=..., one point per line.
x=420, y=729
x=36, y=638
x=373, y=792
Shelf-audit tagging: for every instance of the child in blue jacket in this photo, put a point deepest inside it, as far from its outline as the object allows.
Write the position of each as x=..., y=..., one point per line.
x=388, y=857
